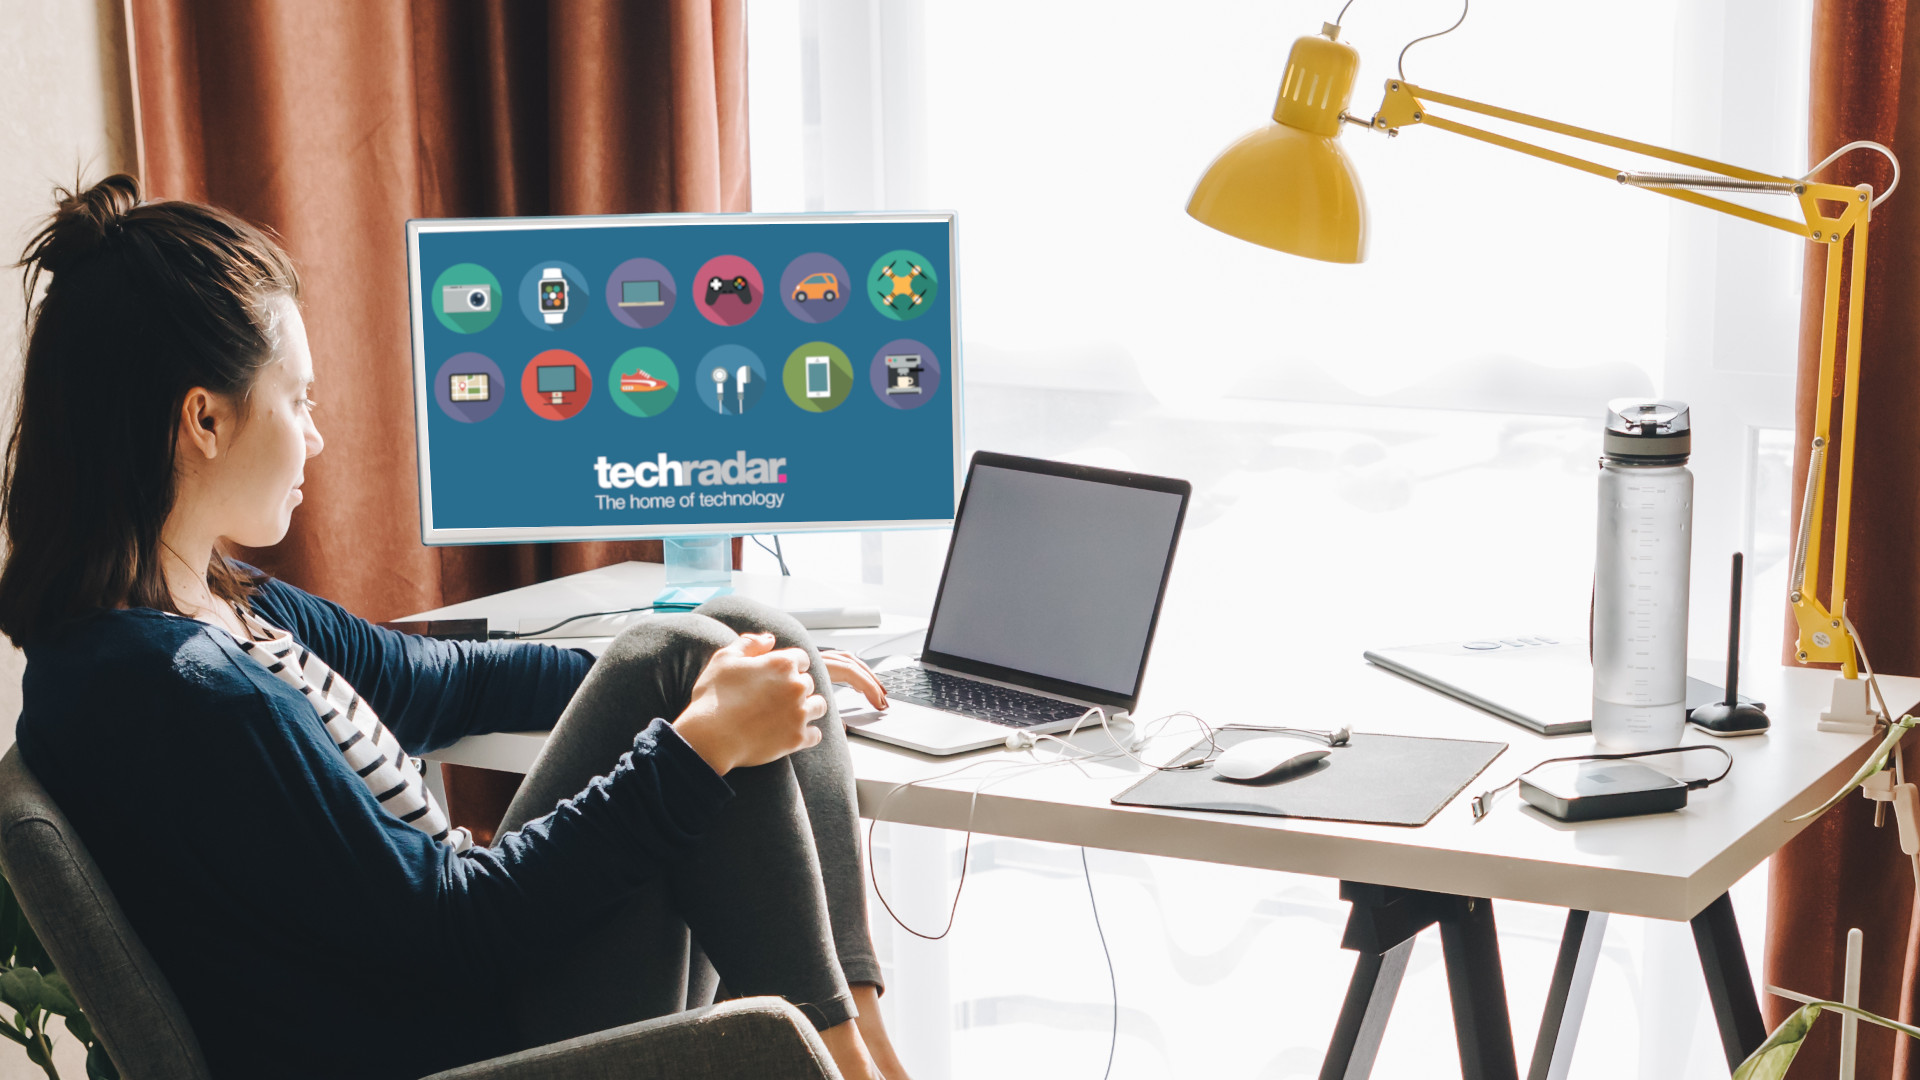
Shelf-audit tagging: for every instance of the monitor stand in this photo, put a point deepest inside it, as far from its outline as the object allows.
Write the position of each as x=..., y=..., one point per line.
x=699, y=568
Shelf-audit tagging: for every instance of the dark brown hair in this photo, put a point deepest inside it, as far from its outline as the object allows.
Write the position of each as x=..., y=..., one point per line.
x=145, y=302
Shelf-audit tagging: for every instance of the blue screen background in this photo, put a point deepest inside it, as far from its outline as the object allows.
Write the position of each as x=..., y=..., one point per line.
x=861, y=462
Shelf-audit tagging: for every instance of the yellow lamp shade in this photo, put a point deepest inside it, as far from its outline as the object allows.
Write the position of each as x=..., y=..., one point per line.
x=1289, y=186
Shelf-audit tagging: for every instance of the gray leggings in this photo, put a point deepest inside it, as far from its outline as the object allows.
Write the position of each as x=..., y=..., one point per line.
x=771, y=897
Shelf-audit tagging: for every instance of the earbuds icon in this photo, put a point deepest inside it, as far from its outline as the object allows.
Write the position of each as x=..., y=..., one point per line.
x=737, y=379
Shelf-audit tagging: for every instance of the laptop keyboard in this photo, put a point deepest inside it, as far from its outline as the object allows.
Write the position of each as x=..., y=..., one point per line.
x=984, y=701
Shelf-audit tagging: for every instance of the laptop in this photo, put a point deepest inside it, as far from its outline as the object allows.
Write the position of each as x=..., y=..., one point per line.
x=1047, y=605
x=1539, y=682
x=640, y=294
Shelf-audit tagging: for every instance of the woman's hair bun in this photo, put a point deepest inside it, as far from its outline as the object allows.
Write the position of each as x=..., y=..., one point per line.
x=83, y=223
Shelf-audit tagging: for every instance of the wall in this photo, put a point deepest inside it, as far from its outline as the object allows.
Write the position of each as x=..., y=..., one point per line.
x=65, y=112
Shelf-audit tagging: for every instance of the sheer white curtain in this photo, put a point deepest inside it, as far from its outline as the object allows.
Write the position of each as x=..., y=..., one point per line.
x=1067, y=136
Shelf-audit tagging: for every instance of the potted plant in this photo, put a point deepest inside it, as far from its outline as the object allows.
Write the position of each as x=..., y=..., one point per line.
x=37, y=993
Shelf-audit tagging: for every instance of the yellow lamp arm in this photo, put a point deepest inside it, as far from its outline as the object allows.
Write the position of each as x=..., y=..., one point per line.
x=1823, y=637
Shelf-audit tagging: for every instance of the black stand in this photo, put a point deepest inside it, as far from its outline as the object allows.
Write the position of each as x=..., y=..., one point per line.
x=1381, y=928
x=1385, y=920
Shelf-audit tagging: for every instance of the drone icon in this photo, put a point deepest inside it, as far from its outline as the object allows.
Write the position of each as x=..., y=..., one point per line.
x=902, y=288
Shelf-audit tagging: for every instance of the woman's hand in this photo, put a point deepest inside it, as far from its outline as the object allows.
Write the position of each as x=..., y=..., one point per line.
x=752, y=704
x=844, y=667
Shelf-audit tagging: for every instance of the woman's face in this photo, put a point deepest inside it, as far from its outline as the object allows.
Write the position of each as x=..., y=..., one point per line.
x=258, y=484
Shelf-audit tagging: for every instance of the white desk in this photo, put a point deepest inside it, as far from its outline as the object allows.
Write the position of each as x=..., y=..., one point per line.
x=1671, y=866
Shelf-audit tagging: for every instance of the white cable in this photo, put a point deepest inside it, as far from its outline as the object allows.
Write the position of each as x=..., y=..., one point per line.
x=1862, y=144
x=1401, y=64
x=1873, y=684
x=1005, y=770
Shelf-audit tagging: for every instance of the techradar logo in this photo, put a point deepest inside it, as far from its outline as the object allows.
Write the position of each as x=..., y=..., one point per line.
x=661, y=472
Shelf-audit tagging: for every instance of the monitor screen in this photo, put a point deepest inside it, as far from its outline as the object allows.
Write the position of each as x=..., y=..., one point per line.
x=556, y=378
x=687, y=375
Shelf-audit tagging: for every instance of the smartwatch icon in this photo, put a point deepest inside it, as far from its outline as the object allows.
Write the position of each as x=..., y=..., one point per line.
x=553, y=295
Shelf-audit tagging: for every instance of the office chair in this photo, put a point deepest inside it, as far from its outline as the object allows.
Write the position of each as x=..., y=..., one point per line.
x=135, y=1013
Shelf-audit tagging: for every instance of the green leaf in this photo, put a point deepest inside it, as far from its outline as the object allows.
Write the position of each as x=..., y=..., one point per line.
x=81, y=1028
x=99, y=1065
x=21, y=988
x=56, y=996
x=1874, y=763
x=8, y=1031
x=37, y=1055
x=1775, y=1056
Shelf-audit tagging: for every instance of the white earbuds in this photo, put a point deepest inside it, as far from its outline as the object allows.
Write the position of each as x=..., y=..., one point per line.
x=1027, y=740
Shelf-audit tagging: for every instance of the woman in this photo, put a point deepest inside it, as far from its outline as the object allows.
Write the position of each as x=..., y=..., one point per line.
x=237, y=753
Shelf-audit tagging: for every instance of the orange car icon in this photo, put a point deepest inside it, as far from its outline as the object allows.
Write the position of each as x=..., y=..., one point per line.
x=818, y=287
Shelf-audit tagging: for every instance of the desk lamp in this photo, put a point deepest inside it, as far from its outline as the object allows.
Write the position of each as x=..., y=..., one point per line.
x=1289, y=186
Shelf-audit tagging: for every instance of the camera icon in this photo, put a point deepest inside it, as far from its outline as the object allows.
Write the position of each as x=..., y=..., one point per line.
x=466, y=299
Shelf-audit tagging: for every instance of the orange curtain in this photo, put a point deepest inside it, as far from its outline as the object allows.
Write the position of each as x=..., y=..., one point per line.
x=333, y=123
x=1843, y=872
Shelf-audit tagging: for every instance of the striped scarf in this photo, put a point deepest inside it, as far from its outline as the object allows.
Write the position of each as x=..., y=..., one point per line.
x=370, y=749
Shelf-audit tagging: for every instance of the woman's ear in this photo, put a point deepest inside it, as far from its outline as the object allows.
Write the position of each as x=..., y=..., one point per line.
x=205, y=424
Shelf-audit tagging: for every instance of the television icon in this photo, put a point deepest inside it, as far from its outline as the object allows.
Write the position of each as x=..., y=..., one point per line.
x=643, y=293
x=557, y=380
x=903, y=374
x=468, y=387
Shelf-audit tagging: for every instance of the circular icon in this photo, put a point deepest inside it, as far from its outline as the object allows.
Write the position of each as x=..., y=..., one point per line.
x=818, y=377
x=643, y=382
x=730, y=290
x=553, y=294
x=640, y=293
x=904, y=374
x=814, y=287
x=556, y=385
x=465, y=298
x=468, y=387
x=902, y=285
x=730, y=380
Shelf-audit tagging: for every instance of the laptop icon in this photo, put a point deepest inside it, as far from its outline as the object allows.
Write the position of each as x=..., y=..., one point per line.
x=640, y=294
x=1046, y=608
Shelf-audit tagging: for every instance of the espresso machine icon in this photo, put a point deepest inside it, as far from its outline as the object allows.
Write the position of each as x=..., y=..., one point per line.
x=903, y=373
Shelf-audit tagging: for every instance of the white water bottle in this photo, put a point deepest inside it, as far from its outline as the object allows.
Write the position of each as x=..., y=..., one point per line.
x=1640, y=576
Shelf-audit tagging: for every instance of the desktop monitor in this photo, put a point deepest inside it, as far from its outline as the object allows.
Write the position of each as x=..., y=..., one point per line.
x=705, y=375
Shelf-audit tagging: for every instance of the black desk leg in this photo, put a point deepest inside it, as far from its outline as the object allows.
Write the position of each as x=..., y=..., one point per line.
x=1381, y=928
x=1363, y=1016
x=1479, y=990
x=1567, y=996
x=1736, y=1006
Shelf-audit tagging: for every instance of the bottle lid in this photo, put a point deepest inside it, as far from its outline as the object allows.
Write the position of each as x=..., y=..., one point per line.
x=1647, y=432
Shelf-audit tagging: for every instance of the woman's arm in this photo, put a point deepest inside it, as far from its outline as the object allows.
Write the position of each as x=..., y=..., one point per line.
x=430, y=692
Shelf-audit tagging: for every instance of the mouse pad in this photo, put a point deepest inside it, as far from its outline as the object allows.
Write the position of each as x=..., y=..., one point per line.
x=1374, y=780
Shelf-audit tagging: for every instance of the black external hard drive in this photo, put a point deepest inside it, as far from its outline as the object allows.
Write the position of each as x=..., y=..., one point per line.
x=1589, y=790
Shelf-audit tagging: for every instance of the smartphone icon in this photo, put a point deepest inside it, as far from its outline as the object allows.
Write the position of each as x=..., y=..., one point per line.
x=819, y=377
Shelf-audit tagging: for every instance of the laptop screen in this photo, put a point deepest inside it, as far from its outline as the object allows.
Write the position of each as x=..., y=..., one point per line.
x=1056, y=571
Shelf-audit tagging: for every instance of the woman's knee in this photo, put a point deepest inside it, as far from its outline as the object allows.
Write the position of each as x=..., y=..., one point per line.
x=676, y=636
x=746, y=616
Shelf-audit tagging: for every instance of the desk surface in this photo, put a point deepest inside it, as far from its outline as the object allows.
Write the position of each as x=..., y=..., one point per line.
x=1667, y=866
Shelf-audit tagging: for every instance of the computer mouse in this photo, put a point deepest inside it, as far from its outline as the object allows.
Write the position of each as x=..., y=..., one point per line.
x=1265, y=760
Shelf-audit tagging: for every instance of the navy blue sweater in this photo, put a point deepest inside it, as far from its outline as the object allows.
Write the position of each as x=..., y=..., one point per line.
x=307, y=932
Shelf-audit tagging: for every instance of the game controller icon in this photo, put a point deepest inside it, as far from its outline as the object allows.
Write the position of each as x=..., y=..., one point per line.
x=737, y=285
